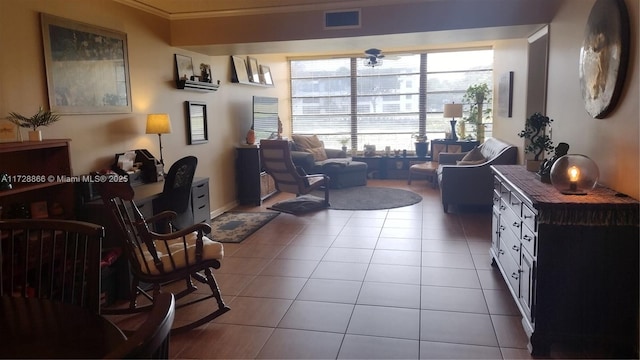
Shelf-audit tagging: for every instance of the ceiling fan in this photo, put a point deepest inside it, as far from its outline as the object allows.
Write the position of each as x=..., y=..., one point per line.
x=373, y=57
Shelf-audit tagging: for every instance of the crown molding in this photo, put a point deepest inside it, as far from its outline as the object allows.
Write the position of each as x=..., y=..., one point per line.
x=318, y=6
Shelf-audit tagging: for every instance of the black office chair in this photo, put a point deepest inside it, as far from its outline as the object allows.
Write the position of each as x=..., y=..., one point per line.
x=176, y=194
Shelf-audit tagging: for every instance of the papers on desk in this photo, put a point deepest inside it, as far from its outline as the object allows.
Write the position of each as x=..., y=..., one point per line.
x=127, y=160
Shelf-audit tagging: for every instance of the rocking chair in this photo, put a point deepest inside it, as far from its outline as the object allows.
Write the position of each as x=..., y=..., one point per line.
x=164, y=259
x=275, y=157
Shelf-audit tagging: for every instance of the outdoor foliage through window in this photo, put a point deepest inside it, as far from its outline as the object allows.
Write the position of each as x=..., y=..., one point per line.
x=340, y=98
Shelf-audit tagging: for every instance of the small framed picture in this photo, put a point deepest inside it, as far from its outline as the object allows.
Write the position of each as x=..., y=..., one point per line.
x=9, y=131
x=39, y=210
x=254, y=73
x=265, y=75
x=240, y=70
x=184, y=67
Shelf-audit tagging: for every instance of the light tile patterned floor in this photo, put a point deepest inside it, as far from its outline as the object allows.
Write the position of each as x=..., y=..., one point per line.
x=405, y=283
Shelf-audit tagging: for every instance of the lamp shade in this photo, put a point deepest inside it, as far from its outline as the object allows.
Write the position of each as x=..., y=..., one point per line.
x=574, y=174
x=452, y=110
x=158, y=124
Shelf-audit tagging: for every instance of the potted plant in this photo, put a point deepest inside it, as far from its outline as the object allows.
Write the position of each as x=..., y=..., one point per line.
x=421, y=145
x=537, y=141
x=41, y=118
x=476, y=96
x=344, y=142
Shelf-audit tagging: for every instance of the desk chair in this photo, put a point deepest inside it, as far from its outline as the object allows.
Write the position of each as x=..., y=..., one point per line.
x=429, y=169
x=275, y=157
x=57, y=260
x=164, y=260
x=176, y=193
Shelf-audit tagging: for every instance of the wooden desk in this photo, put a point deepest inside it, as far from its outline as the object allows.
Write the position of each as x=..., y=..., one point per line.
x=37, y=328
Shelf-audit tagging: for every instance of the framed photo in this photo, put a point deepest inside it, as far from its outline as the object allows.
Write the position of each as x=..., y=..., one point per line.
x=184, y=67
x=39, y=210
x=87, y=67
x=9, y=131
x=505, y=95
x=254, y=73
x=265, y=75
x=239, y=69
x=196, y=122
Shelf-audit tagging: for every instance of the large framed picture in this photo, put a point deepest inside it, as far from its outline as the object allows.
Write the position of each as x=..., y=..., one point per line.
x=196, y=122
x=240, y=72
x=254, y=73
x=87, y=67
x=184, y=67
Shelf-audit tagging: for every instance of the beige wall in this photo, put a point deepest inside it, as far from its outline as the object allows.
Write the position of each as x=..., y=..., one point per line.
x=611, y=142
x=96, y=138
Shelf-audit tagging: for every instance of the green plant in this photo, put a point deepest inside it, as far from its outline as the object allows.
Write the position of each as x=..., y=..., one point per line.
x=534, y=131
x=344, y=141
x=41, y=118
x=476, y=96
x=419, y=137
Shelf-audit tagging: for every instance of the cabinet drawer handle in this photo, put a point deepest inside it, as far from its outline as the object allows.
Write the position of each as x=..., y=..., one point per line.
x=515, y=248
x=501, y=252
x=502, y=228
x=527, y=237
x=201, y=207
x=528, y=216
x=516, y=224
x=502, y=207
x=200, y=197
x=504, y=192
x=516, y=275
x=515, y=203
x=201, y=185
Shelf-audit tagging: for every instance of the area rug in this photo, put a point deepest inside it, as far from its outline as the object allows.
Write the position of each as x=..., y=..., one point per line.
x=370, y=198
x=353, y=198
x=235, y=226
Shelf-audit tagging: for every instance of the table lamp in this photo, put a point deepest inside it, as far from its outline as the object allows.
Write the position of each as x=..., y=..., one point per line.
x=159, y=124
x=453, y=111
x=574, y=174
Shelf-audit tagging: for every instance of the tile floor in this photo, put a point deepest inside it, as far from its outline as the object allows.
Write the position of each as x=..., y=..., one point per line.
x=404, y=283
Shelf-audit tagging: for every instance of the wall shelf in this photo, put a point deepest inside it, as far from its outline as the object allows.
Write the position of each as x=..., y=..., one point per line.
x=197, y=85
x=235, y=81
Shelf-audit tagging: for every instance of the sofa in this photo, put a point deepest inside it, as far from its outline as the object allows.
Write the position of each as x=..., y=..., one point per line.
x=309, y=154
x=465, y=179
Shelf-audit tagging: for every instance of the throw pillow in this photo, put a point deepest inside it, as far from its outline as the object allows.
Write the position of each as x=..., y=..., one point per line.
x=307, y=141
x=318, y=153
x=474, y=155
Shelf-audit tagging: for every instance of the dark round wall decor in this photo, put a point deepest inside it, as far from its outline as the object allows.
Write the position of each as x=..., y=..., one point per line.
x=604, y=56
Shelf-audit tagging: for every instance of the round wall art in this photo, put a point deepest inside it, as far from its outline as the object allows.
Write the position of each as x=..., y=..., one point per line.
x=604, y=56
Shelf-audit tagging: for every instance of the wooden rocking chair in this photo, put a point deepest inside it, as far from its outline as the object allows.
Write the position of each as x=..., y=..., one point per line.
x=164, y=259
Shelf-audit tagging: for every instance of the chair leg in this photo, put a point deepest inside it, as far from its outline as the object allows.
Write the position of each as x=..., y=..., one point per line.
x=409, y=180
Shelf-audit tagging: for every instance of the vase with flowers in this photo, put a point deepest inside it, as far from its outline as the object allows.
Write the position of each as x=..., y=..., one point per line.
x=41, y=118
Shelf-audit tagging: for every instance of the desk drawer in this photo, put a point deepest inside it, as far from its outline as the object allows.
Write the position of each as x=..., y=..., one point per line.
x=200, y=202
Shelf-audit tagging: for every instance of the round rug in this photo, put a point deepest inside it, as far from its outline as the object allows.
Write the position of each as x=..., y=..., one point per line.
x=369, y=198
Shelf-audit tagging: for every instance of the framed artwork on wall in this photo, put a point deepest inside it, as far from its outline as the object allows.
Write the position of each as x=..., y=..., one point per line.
x=196, y=122
x=254, y=73
x=184, y=67
x=87, y=67
x=505, y=95
x=240, y=71
x=604, y=56
x=265, y=75
x=9, y=131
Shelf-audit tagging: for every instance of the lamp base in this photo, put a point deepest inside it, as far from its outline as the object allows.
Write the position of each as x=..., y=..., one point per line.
x=573, y=192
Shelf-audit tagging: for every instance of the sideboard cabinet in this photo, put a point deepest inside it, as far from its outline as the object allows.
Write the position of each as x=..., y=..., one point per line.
x=39, y=173
x=569, y=261
x=253, y=183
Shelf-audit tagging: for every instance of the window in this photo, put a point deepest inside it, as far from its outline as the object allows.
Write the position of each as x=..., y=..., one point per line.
x=343, y=97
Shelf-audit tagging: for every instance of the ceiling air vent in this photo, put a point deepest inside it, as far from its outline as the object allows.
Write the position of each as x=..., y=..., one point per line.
x=344, y=19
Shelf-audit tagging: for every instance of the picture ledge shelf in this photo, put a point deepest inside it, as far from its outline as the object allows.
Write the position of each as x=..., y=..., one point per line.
x=197, y=85
x=250, y=83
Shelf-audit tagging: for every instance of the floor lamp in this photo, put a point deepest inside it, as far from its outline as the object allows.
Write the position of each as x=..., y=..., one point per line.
x=159, y=124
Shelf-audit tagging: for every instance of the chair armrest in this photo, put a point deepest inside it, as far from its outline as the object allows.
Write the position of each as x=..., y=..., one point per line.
x=204, y=227
x=166, y=215
x=335, y=153
x=450, y=158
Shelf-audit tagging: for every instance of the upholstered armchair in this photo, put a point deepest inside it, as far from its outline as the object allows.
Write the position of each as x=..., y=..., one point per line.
x=468, y=181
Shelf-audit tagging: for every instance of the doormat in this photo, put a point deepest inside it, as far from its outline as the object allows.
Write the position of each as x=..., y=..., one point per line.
x=235, y=226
